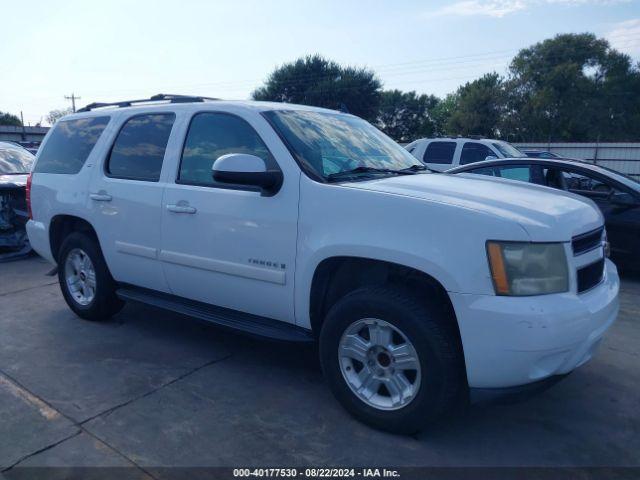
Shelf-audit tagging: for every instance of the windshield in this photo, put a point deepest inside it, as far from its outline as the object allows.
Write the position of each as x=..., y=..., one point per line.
x=332, y=143
x=14, y=161
x=622, y=177
x=508, y=150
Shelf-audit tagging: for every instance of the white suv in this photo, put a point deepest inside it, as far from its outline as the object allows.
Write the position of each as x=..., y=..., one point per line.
x=440, y=154
x=306, y=224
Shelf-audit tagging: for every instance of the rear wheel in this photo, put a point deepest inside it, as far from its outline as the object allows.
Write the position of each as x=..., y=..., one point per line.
x=391, y=359
x=85, y=281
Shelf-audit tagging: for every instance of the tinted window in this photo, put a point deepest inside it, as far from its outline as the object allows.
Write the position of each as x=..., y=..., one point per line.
x=139, y=148
x=14, y=161
x=508, y=150
x=584, y=184
x=212, y=135
x=69, y=145
x=484, y=171
x=475, y=152
x=522, y=173
x=439, y=152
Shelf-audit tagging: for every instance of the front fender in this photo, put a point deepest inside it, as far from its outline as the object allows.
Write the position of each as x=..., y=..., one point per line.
x=446, y=242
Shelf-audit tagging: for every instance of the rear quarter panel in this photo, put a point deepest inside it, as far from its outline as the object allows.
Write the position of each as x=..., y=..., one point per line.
x=55, y=194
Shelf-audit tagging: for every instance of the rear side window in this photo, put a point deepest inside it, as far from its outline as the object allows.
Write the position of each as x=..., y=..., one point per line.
x=475, y=152
x=69, y=145
x=139, y=148
x=439, y=152
x=212, y=135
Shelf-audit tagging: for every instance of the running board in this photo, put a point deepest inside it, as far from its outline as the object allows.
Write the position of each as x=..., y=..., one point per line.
x=224, y=317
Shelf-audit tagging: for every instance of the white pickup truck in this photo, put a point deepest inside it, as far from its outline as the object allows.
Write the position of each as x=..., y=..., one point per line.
x=305, y=224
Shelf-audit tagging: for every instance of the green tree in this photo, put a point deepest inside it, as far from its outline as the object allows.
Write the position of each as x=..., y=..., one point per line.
x=478, y=107
x=573, y=87
x=314, y=80
x=406, y=116
x=442, y=112
x=9, y=119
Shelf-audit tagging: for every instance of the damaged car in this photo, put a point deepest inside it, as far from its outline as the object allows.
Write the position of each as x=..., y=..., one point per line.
x=15, y=165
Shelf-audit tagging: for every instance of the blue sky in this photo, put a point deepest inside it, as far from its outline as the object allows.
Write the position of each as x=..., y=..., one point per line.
x=113, y=50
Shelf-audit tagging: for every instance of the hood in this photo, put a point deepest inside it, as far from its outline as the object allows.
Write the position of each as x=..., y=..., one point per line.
x=546, y=214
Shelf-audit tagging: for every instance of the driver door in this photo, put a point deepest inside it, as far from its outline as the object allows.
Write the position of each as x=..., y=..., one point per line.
x=228, y=245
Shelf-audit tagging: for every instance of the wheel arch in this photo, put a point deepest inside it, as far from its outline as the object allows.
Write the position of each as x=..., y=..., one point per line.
x=62, y=225
x=336, y=276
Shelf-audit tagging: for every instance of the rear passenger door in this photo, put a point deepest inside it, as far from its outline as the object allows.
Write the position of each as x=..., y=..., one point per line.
x=438, y=155
x=125, y=199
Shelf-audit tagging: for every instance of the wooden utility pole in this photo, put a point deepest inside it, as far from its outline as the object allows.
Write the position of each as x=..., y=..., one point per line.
x=24, y=134
x=73, y=99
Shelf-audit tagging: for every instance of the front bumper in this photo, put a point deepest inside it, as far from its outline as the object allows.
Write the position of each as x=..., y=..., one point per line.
x=510, y=341
x=507, y=395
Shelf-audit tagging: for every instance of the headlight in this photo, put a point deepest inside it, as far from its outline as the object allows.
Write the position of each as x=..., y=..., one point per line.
x=519, y=268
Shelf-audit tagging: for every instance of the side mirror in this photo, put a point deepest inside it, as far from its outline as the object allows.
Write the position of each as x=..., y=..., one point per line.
x=490, y=157
x=247, y=170
x=624, y=200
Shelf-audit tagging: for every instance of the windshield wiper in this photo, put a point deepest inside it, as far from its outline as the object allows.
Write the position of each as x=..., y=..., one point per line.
x=364, y=169
x=358, y=170
x=416, y=168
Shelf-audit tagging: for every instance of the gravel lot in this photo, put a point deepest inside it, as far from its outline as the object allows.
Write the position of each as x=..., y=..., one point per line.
x=152, y=389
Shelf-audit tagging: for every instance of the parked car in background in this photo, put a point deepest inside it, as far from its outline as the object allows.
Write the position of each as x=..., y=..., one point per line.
x=306, y=224
x=540, y=154
x=31, y=147
x=15, y=165
x=440, y=154
x=617, y=195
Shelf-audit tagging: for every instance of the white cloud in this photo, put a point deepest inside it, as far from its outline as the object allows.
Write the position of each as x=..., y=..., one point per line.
x=625, y=36
x=495, y=8
x=587, y=2
x=501, y=8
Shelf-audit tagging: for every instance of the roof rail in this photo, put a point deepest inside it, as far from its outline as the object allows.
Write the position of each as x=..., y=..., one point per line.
x=161, y=97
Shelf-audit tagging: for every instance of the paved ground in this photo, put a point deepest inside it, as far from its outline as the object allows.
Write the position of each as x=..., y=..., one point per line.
x=151, y=389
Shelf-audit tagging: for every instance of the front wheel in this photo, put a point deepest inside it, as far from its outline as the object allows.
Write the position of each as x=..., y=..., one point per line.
x=85, y=281
x=391, y=360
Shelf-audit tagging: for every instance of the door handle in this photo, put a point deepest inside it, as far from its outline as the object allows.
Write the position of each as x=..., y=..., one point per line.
x=100, y=197
x=181, y=209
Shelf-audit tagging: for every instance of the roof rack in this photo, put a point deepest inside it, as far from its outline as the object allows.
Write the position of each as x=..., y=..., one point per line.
x=156, y=98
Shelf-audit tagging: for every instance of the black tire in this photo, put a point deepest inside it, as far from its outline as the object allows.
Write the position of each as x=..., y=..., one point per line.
x=105, y=303
x=433, y=337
